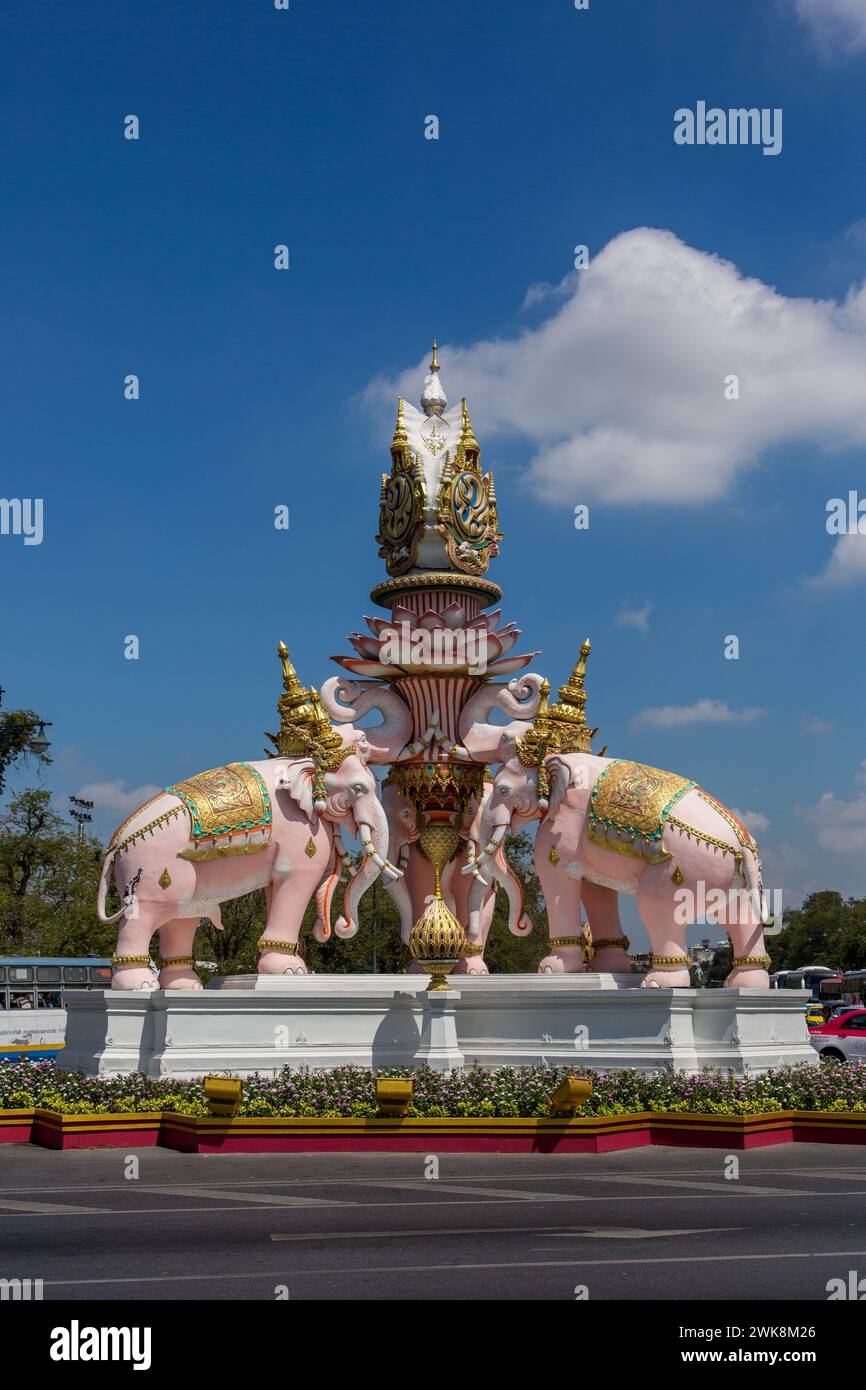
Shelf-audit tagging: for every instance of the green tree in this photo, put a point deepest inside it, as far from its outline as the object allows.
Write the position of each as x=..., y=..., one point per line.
x=826, y=930
x=21, y=738
x=48, y=882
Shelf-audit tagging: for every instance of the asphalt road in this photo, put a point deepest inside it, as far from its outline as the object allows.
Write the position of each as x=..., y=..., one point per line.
x=648, y=1223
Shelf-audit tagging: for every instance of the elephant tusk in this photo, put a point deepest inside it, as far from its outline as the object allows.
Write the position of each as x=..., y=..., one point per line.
x=456, y=751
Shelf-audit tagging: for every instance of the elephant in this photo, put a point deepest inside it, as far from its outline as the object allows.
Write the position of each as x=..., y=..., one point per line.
x=701, y=849
x=166, y=888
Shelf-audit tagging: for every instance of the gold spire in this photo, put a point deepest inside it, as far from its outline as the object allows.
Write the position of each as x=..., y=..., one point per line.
x=567, y=715
x=434, y=365
x=304, y=726
x=467, y=434
x=401, y=438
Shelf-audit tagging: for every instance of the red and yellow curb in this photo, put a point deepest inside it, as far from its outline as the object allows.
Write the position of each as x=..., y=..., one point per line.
x=285, y=1134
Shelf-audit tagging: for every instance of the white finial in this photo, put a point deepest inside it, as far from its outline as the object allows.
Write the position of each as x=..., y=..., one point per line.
x=433, y=398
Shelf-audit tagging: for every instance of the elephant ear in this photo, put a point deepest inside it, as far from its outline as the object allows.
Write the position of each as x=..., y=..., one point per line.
x=297, y=780
x=559, y=778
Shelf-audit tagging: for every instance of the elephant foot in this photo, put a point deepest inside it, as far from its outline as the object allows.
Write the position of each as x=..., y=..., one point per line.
x=179, y=977
x=744, y=978
x=666, y=979
x=611, y=960
x=278, y=963
x=470, y=965
x=565, y=960
x=134, y=977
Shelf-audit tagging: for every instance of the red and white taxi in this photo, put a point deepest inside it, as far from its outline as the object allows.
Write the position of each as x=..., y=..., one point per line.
x=843, y=1039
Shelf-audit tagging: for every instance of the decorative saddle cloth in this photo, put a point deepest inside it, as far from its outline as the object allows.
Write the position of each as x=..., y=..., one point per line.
x=229, y=812
x=628, y=806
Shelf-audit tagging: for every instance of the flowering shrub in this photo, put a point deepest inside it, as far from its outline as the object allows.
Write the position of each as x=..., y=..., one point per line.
x=507, y=1092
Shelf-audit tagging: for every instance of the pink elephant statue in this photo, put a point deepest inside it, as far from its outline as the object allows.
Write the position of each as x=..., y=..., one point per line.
x=187, y=850
x=610, y=826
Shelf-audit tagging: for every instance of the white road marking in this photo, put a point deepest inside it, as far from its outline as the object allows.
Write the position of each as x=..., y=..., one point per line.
x=575, y=1261
x=599, y=1232
x=45, y=1208
x=271, y=1198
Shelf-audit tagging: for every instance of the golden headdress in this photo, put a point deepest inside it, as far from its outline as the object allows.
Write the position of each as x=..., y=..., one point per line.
x=305, y=729
x=562, y=727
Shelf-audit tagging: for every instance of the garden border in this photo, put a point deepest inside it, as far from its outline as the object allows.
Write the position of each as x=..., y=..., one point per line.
x=290, y=1134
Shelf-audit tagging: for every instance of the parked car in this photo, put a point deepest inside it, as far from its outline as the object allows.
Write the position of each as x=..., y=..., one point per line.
x=815, y=1015
x=843, y=1039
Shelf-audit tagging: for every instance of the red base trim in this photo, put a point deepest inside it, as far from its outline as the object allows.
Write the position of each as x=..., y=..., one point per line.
x=602, y=1134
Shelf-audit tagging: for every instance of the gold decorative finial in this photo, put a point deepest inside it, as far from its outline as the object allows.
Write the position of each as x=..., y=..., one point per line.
x=401, y=438
x=305, y=729
x=567, y=715
x=434, y=365
x=467, y=434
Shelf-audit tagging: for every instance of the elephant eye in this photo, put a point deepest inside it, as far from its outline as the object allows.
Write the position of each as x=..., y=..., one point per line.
x=359, y=788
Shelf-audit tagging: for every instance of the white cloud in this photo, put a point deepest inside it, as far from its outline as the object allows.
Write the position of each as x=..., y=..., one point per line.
x=620, y=392
x=847, y=563
x=116, y=796
x=634, y=617
x=702, y=712
x=836, y=24
x=817, y=726
x=841, y=824
x=755, y=821
x=542, y=290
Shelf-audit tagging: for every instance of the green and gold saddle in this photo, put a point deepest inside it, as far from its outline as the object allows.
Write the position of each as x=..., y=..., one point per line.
x=628, y=807
x=226, y=805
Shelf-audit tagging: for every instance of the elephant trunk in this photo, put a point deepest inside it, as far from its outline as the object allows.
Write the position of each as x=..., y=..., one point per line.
x=519, y=699
x=325, y=894
x=519, y=923
x=372, y=826
x=387, y=740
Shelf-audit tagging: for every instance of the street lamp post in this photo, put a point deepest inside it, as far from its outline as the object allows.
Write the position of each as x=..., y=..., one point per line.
x=80, y=811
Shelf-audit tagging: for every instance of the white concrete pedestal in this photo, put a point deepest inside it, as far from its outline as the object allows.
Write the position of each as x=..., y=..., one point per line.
x=438, y=1047
x=260, y=1023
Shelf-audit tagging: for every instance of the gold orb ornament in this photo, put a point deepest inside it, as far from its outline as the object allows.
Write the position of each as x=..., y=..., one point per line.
x=437, y=939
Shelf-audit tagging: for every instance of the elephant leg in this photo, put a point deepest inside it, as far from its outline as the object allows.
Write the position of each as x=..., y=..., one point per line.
x=475, y=910
x=175, y=945
x=656, y=904
x=611, y=945
x=133, y=940
x=562, y=896
x=285, y=911
x=747, y=940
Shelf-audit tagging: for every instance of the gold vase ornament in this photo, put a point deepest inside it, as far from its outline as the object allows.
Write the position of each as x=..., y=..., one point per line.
x=437, y=939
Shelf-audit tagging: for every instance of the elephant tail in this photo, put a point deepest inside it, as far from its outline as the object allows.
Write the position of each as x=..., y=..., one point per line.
x=105, y=879
x=752, y=874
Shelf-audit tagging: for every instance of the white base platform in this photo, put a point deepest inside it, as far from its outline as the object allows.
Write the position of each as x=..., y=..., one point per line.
x=254, y=1023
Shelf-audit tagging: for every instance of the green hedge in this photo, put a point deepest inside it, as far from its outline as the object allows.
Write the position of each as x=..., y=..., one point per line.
x=506, y=1092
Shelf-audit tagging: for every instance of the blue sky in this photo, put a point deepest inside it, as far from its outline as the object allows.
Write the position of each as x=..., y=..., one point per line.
x=260, y=387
